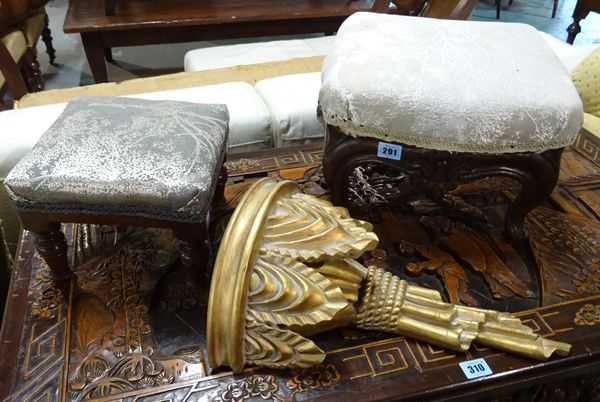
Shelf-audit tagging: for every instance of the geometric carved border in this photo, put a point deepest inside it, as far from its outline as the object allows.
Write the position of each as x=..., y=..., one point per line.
x=588, y=145
x=41, y=363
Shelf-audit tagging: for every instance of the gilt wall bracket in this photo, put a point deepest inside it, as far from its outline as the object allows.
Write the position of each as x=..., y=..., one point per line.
x=287, y=269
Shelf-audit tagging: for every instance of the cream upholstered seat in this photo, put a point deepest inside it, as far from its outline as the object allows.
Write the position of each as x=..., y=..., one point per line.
x=449, y=85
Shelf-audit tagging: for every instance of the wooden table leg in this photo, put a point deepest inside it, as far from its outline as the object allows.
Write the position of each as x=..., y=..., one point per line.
x=94, y=50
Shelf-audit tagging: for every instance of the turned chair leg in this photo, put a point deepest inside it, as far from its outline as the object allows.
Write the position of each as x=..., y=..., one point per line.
x=554, y=8
x=579, y=13
x=47, y=38
x=32, y=72
x=194, y=252
x=498, y=5
x=50, y=244
x=573, y=30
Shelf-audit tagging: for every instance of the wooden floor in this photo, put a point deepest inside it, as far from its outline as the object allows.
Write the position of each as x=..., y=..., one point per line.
x=130, y=328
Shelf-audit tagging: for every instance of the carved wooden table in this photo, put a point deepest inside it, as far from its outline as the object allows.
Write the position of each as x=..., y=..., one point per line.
x=124, y=335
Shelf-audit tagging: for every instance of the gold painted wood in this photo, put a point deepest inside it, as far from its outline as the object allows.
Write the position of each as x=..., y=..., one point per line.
x=286, y=269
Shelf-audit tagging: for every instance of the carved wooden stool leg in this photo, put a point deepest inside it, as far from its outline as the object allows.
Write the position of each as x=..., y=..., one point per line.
x=194, y=251
x=334, y=156
x=50, y=244
x=47, y=38
x=219, y=197
x=537, y=180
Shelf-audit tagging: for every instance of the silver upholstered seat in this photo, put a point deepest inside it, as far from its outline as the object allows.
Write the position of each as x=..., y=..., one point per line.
x=122, y=156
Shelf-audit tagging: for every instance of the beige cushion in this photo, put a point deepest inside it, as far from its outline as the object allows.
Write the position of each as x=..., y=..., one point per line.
x=586, y=77
x=592, y=124
x=449, y=85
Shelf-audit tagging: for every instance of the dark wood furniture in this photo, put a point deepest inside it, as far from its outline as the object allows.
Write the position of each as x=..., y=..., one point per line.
x=498, y=4
x=423, y=180
x=52, y=246
x=133, y=23
x=116, y=339
x=194, y=248
x=582, y=9
x=29, y=18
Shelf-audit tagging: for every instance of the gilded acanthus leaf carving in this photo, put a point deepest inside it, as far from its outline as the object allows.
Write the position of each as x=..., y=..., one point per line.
x=268, y=345
x=310, y=229
x=286, y=292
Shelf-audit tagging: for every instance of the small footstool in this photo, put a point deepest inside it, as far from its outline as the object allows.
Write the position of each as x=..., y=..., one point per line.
x=419, y=105
x=123, y=161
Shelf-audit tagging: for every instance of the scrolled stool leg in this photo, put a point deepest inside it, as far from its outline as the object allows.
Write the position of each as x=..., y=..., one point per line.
x=219, y=197
x=537, y=183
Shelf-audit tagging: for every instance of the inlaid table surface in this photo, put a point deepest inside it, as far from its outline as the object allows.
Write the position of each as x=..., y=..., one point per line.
x=126, y=328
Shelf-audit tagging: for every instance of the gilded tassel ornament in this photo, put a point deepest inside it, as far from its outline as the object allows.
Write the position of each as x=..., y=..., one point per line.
x=286, y=269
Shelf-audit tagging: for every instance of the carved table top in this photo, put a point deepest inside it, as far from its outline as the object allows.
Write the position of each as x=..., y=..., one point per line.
x=124, y=335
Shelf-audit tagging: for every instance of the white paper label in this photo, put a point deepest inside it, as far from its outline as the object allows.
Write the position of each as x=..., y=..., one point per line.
x=475, y=368
x=389, y=151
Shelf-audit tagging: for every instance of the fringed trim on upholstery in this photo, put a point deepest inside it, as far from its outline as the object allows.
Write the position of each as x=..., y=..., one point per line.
x=349, y=128
x=129, y=211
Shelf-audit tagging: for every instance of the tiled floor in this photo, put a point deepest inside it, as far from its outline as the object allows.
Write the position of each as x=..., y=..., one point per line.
x=153, y=60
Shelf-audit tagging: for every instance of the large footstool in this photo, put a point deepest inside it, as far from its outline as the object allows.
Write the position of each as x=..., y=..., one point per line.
x=129, y=162
x=416, y=105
